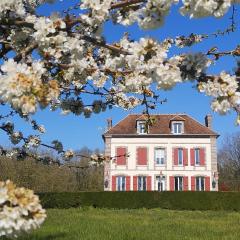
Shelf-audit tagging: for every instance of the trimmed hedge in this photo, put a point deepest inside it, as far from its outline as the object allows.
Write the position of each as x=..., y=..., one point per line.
x=130, y=200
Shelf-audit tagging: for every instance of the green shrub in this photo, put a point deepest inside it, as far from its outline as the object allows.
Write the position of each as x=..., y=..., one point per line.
x=168, y=200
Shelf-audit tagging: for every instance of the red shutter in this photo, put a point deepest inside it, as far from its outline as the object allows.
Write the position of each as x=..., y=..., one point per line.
x=141, y=156
x=192, y=157
x=128, y=183
x=175, y=156
x=171, y=183
x=193, y=183
x=207, y=183
x=113, y=183
x=202, y=156
x=185, y=157
x=135, y=183
x=185, y=183
x=149, y=183
x=120, y=152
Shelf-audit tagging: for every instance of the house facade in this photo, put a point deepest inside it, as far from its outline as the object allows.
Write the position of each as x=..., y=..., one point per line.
x=176, y=153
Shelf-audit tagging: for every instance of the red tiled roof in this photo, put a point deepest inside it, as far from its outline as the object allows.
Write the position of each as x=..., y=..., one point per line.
x=161, y=125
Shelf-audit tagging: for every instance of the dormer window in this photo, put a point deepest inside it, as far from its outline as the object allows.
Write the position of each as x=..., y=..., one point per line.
x=177, y=127
x=141, y=127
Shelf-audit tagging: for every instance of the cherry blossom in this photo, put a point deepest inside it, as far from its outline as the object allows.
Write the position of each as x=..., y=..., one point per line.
x=56, y=61
x=20, y=210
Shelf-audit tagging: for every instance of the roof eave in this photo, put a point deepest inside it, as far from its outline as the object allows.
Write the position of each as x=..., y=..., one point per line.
x=158, y=135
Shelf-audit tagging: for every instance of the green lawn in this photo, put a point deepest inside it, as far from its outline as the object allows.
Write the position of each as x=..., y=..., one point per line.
x=141, y=224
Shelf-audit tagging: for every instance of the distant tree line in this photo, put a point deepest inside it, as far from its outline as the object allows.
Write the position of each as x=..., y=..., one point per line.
x=80, y=175
x=229, y=163
x=50, y=176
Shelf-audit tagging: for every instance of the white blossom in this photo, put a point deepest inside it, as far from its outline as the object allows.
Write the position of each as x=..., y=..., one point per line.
x=222, y=107
x=223, y=86
x=87, y=111
x=224, y=89
x=193, y=65
x=41, y=129
x=16, y=137
x=33, y=141
x=20, y=210
x=19, y=7
x=45, y=35
x=99, y=11
x=22, y=86
x=150, y=15
x=203, y=8
x=68, y=154
x=126, y=102
x=3, y=195
x=182, y=41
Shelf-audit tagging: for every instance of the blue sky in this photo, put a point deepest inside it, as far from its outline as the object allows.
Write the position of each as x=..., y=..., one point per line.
x=76, y=132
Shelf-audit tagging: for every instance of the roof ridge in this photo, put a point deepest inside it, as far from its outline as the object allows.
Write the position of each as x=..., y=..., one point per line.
x=139, y=114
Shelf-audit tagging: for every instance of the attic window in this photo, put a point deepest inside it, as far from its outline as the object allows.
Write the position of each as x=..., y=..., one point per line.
x=141, y=127
x=177, y=127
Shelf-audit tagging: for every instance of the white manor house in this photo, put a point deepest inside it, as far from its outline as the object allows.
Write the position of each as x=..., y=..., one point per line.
x=177, y=153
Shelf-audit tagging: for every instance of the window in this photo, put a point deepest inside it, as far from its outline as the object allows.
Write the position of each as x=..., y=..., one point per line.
x=177, y=127
x=121, y=183
x=180, y=156
x=200, y=183
x=142, y=186
x=159, y=156
x=197, y=156
x=178, y=183
x=161, y=183
x=141, y=127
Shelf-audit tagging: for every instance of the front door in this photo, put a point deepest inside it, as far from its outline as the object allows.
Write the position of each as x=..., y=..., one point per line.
x=160, y=183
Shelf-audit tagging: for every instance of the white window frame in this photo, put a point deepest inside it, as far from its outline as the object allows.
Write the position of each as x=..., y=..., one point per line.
x=177, y=128
x=179, y=186
x=140, y=183
x=197, y=156
x=180, y=150
x=140, y=129
x=162, y=182
x=162, y=158
x=121, y=183
x=200, y=183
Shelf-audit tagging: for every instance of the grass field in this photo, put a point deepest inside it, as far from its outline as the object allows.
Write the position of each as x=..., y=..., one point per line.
x=141, y=224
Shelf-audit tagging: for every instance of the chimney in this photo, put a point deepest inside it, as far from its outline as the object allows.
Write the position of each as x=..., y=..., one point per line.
x=208, y=121
x=109, y=123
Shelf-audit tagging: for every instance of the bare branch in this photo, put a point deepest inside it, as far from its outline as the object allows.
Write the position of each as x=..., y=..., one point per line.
x=27, y=51
x=126, y=3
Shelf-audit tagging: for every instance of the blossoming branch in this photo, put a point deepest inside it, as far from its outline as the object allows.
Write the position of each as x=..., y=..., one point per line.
x=56, y=61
